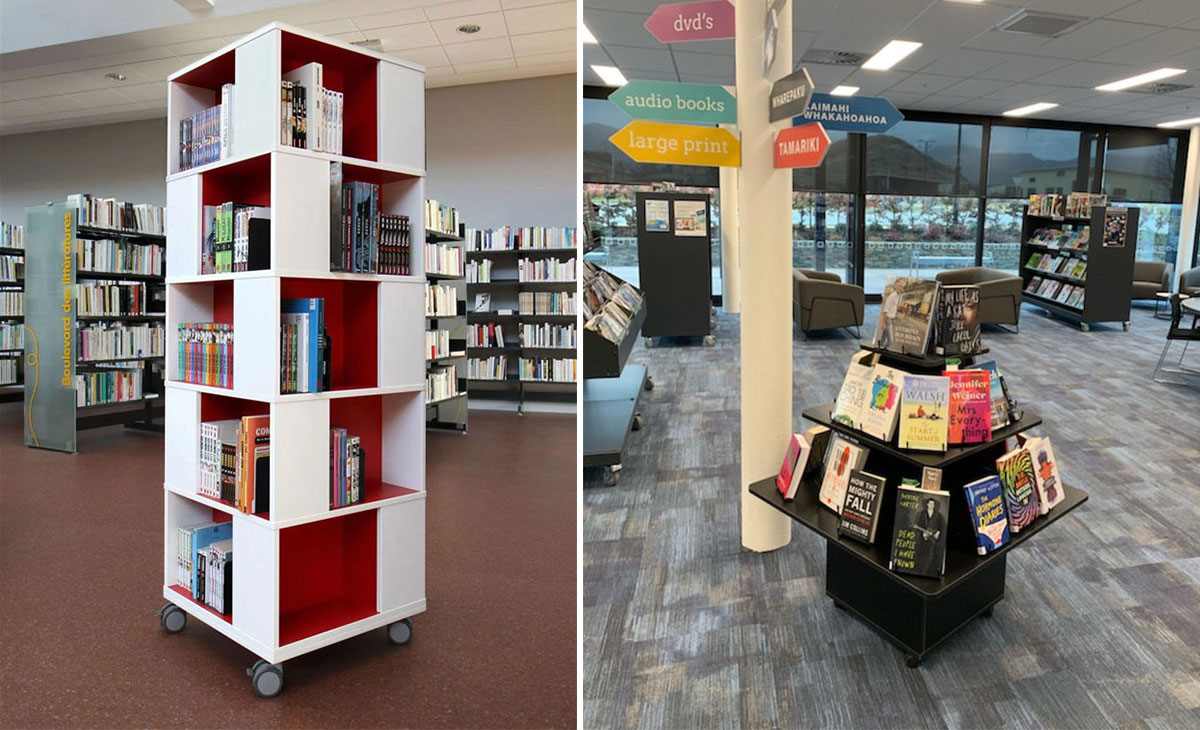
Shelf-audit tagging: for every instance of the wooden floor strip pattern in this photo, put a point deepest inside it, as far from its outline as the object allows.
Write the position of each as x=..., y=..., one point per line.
x=1100, y=625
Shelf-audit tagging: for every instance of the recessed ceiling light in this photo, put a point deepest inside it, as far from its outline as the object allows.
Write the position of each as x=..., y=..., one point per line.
x=611, y=75
x=844, y=91
x=1193, y=122
x=196, y=5
x=469, y=28
x=1031, y=109
x=890, y=55
x=1162, y=73
x=115, y=77
x=587, y=34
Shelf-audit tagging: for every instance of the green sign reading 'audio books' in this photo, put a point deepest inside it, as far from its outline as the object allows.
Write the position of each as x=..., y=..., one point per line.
x=667, y=101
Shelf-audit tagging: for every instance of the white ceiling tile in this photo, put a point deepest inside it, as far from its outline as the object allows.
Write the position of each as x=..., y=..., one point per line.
x=702, y=79
x=873, y=83
x=1016, y=43
x=904, y=100
x=387, y=20
x=1085, y=8
x=435, y=71
x=477, y=51
x=84, y=101
x=1022, y=68
x=1088, y=74
x=432, y=56
x=22, y=108
x=597, y=55
x=159, y=69
x=547, y=58
x=442, y=10
x=1022, y=92
x=923, y=84
x=1153, y=48
x=634, y=58
x=1159, y=12
x=466, y=68
x=826, y=77
x=939, y=102
x=145, y=92
x=333, y=26
x=625, y=29
x=204, y=45
x=648, y=75
x=551, y=41
x=354, y=36
x=403, y=37
x=722, y=48
x=810, y=15
x=973, y=88
x=541, y=18
x=983, y=106
x=866, y=25
x=22, y=89
x=704, y=64
x=72, y=82
x=965, y=62
x=515, y=4
x=1096, y=37
x=491, y=25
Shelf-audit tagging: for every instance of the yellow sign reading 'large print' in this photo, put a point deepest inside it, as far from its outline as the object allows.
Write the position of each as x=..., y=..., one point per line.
x=679, y=144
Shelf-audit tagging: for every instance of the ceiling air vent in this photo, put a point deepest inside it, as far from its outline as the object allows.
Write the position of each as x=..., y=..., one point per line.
x=1159, y=88
x=370, y=45
x=833, y=58
x=1048, y=25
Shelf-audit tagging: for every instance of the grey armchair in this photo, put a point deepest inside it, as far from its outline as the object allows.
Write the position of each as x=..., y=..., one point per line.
x=999, y=293
x=1189, y=282
x=821, y=301
x=1150, y=278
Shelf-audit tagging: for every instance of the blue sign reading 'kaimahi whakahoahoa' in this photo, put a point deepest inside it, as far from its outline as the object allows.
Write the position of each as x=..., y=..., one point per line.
x=869, y=114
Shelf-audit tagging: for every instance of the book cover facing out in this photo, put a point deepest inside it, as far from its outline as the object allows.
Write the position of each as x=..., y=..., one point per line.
x=958, y=320
x=919, y=536
x=843, y=458
x=985, y=501
x=1020, y=490
x=924, y=412
x=883, y=403
x=999, y=402
x=970, y=406
x=789, y=472
x=860, y=511
x=1045, y=471
x=906, y=315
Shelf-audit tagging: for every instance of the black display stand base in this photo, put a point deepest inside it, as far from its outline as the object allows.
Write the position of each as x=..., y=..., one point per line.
x=610, y=413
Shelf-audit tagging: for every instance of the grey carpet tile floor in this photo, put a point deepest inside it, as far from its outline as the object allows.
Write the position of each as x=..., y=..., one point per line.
x=1099, y=627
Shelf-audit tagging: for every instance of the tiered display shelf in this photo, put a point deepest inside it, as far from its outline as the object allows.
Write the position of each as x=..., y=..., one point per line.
x=450, y=413
x=305, y=575
x=1108, y=281
x=915, y=613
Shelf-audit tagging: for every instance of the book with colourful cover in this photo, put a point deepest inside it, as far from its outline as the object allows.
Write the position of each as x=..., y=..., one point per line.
x=860, y=510
x=1045, y=471
x=924, y=412
x=906, y=315
x=883, y=403
x=1020, y=487
x=985, y=501
x=856, y=388
x=794, y=460
x=958, y=320
x=844, y=456
x=970, y=406
x=1000, y=414
x=919, y=536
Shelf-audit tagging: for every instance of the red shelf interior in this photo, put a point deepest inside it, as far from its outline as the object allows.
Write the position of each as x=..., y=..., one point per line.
x=350, y=72
x=378, y=491
x=351, y=322
x=326, y=575
x=212, y=75
x=185, y=596
x=357, y=173
x=248, y=181
x=362, y=417
x=222, y=407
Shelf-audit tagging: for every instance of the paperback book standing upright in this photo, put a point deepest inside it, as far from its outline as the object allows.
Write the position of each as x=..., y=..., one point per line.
x=323, y=497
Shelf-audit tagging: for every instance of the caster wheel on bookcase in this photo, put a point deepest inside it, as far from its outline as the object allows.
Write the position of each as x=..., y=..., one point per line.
x=710, y=340
x=1085, y=327
x=612, y=475
x=1125, y=325
x=266, y=678
x=400, y=632
x=989, y=612
x=649, y=341
x=173, y=618
x=637, y=422
x=649, y=384
x=912, y=661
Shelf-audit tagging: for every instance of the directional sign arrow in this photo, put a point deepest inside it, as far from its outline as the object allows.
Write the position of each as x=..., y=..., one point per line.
x=703, y=21
x=667, y=101
x=679, y=144
x=851, y=113
x=790, y=95
x=803, y=146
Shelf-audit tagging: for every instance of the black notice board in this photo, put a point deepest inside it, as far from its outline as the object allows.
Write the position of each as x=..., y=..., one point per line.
x=674, y=232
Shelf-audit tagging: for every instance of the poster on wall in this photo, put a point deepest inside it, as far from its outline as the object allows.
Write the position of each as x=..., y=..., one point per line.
x=690, y=219
x=1114, y=229
x=658, y=216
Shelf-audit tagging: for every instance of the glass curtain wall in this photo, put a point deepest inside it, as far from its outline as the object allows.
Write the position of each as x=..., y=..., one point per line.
x=1144, y=170
x=823, y=219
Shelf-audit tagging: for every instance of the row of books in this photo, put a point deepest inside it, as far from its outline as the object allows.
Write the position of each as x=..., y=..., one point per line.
x=96, y=299
x=304, y=362
x=205, y=354
x=546, y=302
x=1059, y=291
x=236, y=237
x=441, y=300
x=1071, y=205
x=358, y=246
x=437, y=344
x=235, y=462
x=116, y=257
x=8, y=371
x=11, y=268
x=207, y=135
x=918, y=316
x=511, y=238
x=12, y=336
x=609, y=303
x=114, y=341
x=442, y=218
x=118, y=215
x=479, y=272
x=548, y=335
x=550, y=269
x=932, y=411
x=488, y=368
x=441, y=383
x=1076, y=239
x=394, y=245
x=204, y=564
x=311, y=115
x=12, y=235
x=347, y=469
x=486, y=335
x=108, y=386
x=1065, y=265
x=12, y=303
x=548, y=369
x=443, y=259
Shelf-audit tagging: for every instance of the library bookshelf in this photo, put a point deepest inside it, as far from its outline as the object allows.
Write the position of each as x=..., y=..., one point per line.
x=304, y=574
x=12, y=313
x=448, y=411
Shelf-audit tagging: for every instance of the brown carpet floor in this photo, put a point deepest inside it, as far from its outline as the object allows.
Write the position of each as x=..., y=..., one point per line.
x=81, y=572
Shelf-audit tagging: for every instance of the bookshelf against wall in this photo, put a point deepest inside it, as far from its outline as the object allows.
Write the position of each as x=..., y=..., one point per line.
x=94, y=278
x=12, y=311
x=295, y=437
x=446, y=319
x=1077, y=256
x=521, y=302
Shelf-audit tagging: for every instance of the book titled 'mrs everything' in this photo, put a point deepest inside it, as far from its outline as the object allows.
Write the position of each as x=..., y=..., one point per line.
x=970, y=406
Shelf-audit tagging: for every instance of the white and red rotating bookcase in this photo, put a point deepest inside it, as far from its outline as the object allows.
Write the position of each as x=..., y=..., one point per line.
x=305, y=575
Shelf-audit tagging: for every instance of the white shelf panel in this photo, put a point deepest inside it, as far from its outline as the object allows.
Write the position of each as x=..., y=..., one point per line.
x=401, y=558
x=294, y=397
x=399, y=170
x=280, y=524
x=292, y=274
x=341, y=633
x=201, y=613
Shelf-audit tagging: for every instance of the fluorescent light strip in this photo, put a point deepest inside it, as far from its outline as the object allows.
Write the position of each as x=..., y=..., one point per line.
x=844, y=91
x=1193, y=122
x=1162, y=73
x=611, y=75
x=890, y=55
x=1031, y=109
x=587, y=35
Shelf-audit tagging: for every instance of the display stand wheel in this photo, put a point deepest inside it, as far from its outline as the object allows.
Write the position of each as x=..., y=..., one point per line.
x=1085, y=327
x=637, y=422
x=173, y=618
x=649, y=341
x=612, y=475
x=709, y=340
x=1125, y=325
x=649, y=384
x=989, y=611
x=912, y=661
x=401, y=632
x=266, y=678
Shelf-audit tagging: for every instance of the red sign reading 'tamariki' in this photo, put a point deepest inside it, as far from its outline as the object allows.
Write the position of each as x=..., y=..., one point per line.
x=802, y=146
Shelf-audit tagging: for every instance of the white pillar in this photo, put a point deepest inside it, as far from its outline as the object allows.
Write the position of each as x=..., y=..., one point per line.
x=1191, y=201
x=764, y=218
x=730, y=245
